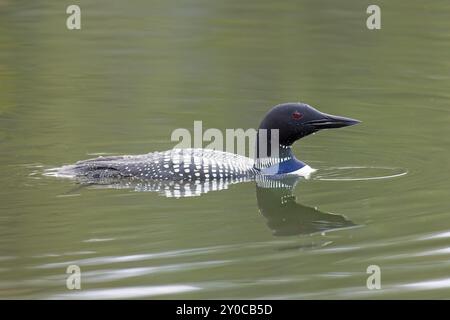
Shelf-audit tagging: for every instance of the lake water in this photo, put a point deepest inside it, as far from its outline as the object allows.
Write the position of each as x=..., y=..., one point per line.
x=137, y=71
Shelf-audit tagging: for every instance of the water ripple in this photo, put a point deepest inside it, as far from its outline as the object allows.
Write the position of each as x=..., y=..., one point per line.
x=127, y=292
x=354, y=173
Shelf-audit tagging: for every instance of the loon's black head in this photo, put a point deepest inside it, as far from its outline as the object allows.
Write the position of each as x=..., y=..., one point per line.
x=297, y=120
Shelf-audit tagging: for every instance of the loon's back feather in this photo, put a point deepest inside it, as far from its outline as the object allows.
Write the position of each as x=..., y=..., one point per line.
x=174, y=165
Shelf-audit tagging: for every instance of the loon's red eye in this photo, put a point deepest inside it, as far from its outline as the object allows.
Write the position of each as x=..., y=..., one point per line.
x=297, y=115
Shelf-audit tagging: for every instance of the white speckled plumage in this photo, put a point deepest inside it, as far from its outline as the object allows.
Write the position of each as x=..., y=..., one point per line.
x=172, y=165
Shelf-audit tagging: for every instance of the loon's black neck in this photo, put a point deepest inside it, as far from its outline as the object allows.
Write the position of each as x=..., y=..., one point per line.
x=271, y=158
x=284, y=162
x=274, y=156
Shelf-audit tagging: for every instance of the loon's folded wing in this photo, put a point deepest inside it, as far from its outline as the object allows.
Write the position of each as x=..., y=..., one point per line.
x=189, y=165
x=174, y=173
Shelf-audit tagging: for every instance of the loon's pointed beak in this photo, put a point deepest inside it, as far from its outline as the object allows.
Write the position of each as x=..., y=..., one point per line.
x=329, y=121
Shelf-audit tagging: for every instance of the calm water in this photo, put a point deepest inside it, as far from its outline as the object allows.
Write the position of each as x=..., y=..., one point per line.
x=135, y=72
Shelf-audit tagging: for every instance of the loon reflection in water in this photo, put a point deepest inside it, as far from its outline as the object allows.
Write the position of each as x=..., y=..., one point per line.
x=275, y=199
x=286, y=217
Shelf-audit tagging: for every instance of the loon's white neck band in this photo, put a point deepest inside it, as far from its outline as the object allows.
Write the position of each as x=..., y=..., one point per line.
x=284, y=154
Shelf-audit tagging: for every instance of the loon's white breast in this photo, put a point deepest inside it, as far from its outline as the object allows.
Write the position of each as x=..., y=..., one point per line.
x=305, y=171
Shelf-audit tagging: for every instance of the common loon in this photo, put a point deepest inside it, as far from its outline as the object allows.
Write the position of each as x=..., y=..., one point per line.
x=158, y=170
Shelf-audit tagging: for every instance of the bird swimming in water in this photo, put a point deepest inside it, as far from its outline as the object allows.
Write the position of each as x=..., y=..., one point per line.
x=184, y=172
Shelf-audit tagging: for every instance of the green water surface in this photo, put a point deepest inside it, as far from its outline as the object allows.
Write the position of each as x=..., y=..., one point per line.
x=137, y=70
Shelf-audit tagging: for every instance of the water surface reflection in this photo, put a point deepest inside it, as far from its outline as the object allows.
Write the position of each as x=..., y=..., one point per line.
x=286, y=217
x=274, y=196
